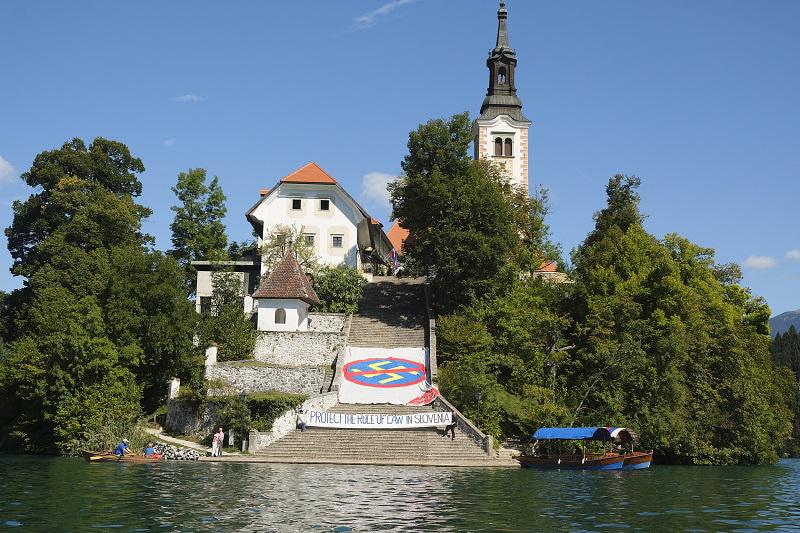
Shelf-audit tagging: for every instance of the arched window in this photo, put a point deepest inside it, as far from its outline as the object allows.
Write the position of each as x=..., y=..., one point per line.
x=498, y=146
x=509, y=149
x=280, y=316
x=501, y=76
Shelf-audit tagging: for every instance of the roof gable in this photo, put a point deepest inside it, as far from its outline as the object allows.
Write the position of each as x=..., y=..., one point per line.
x=309, y=173
x=287, y=281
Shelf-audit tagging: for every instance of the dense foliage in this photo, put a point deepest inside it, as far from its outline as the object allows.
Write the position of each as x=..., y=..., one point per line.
x=198, y=232
x=226, y=324
x=102, y=319
x=470, y=231
x=339, y=289
x=786, y=356
x=650, y=333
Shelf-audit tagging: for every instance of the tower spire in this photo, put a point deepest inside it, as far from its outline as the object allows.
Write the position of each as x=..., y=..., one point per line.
x=502, y=29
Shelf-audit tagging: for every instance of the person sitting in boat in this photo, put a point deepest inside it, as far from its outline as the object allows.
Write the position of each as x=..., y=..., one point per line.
x=122, y=448
x=149, y=451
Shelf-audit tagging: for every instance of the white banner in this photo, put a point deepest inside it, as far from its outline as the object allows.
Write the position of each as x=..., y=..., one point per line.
x=385, y=375
x=325, y=419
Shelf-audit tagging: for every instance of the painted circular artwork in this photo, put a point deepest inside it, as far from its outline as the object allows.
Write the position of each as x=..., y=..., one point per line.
x=384, y=372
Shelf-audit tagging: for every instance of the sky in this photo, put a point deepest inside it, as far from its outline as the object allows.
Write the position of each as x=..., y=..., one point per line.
x=701, y=100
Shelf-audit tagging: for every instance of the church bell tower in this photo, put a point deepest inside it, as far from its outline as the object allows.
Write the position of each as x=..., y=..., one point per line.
x=501, y=130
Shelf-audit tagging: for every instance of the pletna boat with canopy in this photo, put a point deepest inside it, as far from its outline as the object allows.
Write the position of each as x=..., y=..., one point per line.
x=548, y=448
x=633, y=460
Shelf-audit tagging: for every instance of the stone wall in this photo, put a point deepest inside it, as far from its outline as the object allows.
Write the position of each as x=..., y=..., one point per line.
x=183, y=418
x=298, y=348
x=248, y=377
x=326, y=322
x=287, y=422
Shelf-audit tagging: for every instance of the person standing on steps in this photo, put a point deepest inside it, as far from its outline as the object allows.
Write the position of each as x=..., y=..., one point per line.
x=451, y=427
x=301, y=420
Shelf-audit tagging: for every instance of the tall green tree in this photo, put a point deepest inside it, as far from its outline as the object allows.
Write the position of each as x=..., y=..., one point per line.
x=459, y=213
x=198, y=230
x=785, y=350
x=668, y=342
x=89, y=319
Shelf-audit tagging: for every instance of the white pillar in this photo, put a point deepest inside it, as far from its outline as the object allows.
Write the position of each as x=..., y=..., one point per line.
x=173, y=386
x=211, y=355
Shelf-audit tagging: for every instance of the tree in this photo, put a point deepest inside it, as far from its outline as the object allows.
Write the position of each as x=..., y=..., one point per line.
x=785, y=350
x=282, y=239
x=668, y=342
x=227, y=325
x=198, y=231
x=90, y=317
x=339, y=289
x=460, y=219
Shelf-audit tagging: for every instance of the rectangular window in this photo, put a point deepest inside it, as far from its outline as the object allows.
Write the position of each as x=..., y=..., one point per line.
x=309, y=239
x=297, y=204
x=324, y=205
x=205, y=305
x=336, y=240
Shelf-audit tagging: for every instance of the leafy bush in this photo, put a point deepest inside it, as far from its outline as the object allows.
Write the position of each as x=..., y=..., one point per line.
x=339, y=289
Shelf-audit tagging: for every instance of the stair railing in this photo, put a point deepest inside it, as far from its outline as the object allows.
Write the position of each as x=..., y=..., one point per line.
x=431, y=331
x=486, y=442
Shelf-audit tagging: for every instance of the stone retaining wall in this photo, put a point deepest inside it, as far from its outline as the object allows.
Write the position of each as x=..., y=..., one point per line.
x=240, y=376
x=326, y=322
x=287, y=422
x=183, y=418
x=298, y=348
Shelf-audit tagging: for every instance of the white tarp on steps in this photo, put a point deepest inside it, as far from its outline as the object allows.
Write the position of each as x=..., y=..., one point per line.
x=385, y=375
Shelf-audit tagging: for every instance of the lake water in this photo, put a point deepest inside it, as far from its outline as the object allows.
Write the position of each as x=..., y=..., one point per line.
x=59, y=494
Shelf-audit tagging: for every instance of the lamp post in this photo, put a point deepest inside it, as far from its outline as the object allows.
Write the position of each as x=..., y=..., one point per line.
x=478, y=397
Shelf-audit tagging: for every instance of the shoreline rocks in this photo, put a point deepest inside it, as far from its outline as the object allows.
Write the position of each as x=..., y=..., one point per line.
x=175, y=453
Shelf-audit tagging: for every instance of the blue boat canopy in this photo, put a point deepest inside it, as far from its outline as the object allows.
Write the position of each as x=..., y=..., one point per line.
x=591, y=433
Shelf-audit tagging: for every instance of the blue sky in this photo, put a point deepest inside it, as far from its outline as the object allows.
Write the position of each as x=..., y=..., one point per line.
x=700, y=99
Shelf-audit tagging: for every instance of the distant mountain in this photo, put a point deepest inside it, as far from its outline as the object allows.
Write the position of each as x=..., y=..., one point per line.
x=781, y=322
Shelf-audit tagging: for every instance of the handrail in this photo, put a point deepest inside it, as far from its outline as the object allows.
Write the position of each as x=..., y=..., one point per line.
x=340, y=356
x=467, y=427
x=432, y=365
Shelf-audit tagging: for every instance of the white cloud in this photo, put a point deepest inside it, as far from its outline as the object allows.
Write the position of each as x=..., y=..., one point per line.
x=759, y=262
x=188, y=98
x=373, y=189
x=8, y=174
x=370, y=19
x=793, y=255
x=171, y=141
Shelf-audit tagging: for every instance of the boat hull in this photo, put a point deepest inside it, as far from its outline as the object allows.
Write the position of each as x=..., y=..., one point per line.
x=108, y=457
x=637, y=460
x=572, y=462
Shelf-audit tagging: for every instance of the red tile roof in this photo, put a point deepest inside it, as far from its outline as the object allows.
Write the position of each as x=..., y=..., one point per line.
x=310, y=173
x=547, y=266
x=397, y=236
x=287, y=281
x=263, y=191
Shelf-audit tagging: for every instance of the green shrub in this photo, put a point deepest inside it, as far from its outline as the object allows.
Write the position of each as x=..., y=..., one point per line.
x=339, y=289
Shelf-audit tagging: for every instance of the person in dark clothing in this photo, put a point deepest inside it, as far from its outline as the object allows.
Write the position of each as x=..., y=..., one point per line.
x=451, y=428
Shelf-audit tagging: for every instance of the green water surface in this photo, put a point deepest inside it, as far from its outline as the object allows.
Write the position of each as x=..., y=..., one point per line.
x=59, y=494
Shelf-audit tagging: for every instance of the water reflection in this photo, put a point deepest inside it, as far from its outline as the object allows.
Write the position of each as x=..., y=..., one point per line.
x=38, y=494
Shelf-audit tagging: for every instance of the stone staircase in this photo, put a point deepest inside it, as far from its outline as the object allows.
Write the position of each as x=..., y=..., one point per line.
x=391, y=314
x=422, y=446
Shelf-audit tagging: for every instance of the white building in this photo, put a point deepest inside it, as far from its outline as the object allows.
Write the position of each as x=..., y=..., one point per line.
x=340, y=231
x=501, y=130
x=283, y=298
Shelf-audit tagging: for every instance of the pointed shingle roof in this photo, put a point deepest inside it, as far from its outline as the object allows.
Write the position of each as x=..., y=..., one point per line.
x=287, y=281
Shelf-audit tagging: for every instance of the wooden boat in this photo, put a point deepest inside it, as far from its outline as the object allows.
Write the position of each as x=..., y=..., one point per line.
x=633, y=460
x=598, y=461
x=109, y=457
x=574, y=461
x=637, y=460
